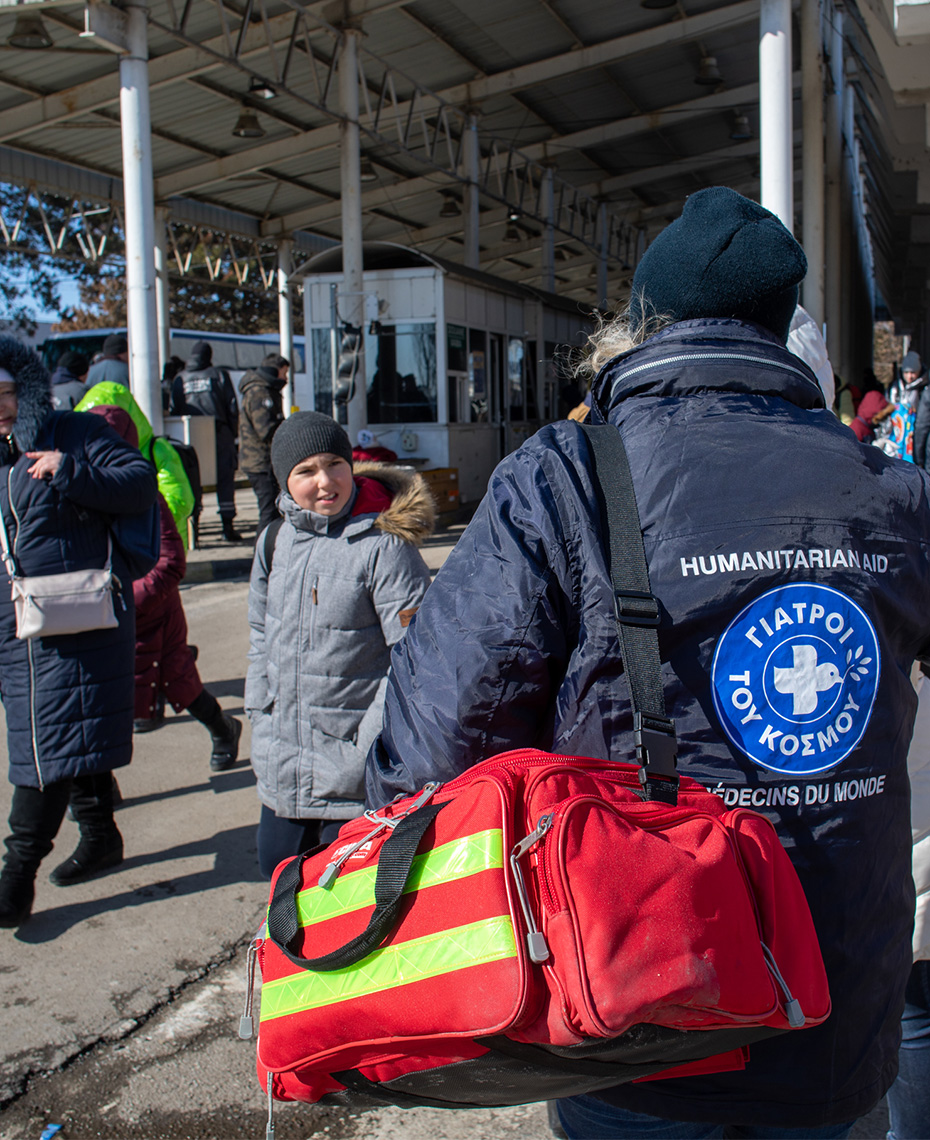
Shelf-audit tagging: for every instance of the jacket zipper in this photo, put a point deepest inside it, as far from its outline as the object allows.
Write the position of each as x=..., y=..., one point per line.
x=29, y=650
x=682, y=357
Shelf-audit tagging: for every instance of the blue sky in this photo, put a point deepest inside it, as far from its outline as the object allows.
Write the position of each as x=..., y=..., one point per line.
x=68, y=290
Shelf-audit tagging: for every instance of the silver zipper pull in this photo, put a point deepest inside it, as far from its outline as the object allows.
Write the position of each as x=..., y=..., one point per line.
x=793, y=1011
x=331, y=870
x=245, y=1022
x=536, y=945
x=534, y=836
x=269, y=1127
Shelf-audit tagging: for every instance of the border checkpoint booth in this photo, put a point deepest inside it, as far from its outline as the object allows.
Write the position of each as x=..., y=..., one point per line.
x=460, y=366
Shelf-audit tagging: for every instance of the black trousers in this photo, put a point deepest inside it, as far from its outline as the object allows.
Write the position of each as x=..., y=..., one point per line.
x=36, y=815
x=266, y=491
x=279, y=838
x=225, y=471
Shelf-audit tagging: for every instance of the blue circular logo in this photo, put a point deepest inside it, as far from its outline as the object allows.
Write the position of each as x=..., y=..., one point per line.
x=794, y=678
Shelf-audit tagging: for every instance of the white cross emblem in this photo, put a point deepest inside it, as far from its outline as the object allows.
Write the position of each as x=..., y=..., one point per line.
x=806, y=679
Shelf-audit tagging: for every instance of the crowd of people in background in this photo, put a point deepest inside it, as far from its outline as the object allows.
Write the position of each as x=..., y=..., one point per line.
x=375, y=696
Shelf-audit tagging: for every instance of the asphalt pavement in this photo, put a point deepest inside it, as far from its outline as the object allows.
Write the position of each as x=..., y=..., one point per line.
x=121, y=997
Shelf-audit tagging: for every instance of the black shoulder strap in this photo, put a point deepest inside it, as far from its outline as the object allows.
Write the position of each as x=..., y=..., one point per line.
x=637, y=611
x=271, y=537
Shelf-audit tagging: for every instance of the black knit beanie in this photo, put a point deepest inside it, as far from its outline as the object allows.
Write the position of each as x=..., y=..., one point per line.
x=725, y=256
x=304, y=434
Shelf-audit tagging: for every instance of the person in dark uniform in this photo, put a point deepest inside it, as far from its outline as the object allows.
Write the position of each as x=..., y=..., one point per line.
x=261, y=413
x=202, y=389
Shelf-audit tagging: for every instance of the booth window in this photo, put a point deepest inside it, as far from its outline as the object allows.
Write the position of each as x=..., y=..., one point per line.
x=400, y=367
x=515, y=378
x=322, y=351
x=478, y=390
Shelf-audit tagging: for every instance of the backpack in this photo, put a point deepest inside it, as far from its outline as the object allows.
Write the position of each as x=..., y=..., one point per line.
x=270, y=539
x=188, y=456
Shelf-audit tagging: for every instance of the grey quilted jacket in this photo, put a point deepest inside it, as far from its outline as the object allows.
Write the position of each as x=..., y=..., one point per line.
x=323, y=621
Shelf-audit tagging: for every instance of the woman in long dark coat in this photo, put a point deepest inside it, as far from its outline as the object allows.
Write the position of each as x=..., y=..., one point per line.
x=68, y=699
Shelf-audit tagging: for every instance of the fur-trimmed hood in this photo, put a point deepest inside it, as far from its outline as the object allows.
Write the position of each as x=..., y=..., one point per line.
x=412, y=513
x=33, y=393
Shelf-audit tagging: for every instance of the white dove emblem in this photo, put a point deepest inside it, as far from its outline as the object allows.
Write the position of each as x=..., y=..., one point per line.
x=806, y=679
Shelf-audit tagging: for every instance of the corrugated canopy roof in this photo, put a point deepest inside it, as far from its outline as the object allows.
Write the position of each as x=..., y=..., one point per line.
x=604, y=95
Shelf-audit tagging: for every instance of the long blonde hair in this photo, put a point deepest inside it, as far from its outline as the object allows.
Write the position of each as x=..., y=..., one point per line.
x=613, y=337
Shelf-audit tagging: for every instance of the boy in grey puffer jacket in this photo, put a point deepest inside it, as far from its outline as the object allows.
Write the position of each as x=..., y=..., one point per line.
x=334, y=590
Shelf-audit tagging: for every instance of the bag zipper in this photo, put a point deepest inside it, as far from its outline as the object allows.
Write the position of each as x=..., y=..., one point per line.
x=793, y=1011
x=246, y=1024
x=332, y=869
x=536, y=945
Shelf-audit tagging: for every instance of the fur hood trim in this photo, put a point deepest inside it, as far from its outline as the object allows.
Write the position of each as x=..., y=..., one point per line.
x=33, y=394
x=412, y=513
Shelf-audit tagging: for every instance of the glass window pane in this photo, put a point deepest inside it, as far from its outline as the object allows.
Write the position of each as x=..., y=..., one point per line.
x=400, y=367
x=515, y=353
x=322, y=371
x=455, y=349
x=478, y=395
x=532, y=412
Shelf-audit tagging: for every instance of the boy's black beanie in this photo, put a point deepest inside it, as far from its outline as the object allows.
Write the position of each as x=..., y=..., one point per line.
x=304, y=434
x=726, y=256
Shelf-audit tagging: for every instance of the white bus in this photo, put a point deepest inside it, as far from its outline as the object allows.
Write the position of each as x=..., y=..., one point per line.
x=232, y=351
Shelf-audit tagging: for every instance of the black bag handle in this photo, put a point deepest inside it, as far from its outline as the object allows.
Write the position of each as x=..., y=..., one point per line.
x=394, y=863
x=638, y=613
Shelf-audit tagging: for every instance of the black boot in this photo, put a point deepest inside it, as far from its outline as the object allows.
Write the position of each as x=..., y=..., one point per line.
x=149, y=724
x=224, y=730
x=225, y=744
x=16, y=895
x=35, y=817
x=229, y=531
x=101, y=845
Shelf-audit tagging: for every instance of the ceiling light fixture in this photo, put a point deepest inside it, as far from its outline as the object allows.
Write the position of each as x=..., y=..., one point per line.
x=247, y=126
x=708, y=72
x=261, y=88
x=30, y=32
x=450, y=207
x=366, y=172
x=741, y=130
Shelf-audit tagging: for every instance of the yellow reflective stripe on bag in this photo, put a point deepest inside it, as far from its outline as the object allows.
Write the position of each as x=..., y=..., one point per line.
x=470, y=855
x=444, y=952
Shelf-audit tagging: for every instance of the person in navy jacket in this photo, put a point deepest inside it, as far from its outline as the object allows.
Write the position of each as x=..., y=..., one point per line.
x=792, y=565
x=68, y=700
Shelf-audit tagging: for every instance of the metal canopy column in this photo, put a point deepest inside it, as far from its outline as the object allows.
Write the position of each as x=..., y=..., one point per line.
x=352, y=301
x=548, y=238
x=144, y=375
x=472, y=163
x=602, y=255
x=162, y=306
x=285, y=318
x=775, y=93
x=812, y=156
x=833, y=236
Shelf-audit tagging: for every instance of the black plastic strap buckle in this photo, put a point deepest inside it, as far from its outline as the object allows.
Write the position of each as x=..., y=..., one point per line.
x=657, y=752
x=636, y=607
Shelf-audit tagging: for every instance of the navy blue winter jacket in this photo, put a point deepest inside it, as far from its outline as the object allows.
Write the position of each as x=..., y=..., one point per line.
x=793, y=568
x=68, y=700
